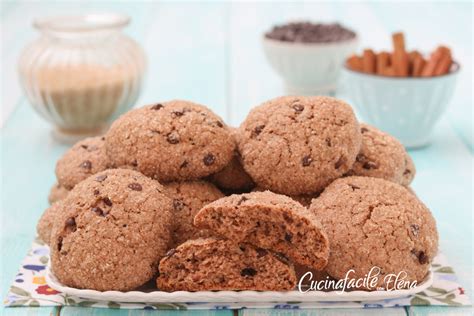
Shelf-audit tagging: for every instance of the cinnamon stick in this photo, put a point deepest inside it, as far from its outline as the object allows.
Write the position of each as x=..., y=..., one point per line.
x=382, y=62
x=355, y=63
x=400, y=57
x=368, y=61
x=438, y=57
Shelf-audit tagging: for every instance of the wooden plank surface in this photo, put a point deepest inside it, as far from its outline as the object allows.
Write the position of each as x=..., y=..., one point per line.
x=211, y=53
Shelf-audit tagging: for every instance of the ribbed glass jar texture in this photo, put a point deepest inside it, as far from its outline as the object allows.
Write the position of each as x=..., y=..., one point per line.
x=82, y=72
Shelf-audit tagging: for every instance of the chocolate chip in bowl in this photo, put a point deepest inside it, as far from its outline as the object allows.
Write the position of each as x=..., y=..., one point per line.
x=309, y=56
x=307, y=32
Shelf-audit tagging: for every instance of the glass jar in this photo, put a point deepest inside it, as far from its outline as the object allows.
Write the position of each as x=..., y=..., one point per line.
x=82, y=72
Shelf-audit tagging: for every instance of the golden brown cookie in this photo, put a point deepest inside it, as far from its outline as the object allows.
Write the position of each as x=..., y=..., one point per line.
x=222, y=265
x=115, y=229
x=188, y=198
x=270, y=221
x=171, y=141
x=376, y=223
x=298, y=145
x=85, y=158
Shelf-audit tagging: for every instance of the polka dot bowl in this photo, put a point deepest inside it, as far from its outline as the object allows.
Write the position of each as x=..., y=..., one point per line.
x=407, y=108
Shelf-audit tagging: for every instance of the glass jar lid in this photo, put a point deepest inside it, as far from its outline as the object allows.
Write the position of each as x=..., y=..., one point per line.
x=82, y=23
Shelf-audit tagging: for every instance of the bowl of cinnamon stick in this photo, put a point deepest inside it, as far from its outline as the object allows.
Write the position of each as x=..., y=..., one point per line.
x=402, y=92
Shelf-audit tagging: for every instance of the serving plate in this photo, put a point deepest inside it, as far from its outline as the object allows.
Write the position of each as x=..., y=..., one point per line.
x=233, y=296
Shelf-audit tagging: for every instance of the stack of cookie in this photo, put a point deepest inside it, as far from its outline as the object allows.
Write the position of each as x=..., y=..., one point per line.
x=150, y=196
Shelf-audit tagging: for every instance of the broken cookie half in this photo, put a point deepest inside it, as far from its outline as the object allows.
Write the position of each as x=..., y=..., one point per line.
x=269, y=221
x=216, y=264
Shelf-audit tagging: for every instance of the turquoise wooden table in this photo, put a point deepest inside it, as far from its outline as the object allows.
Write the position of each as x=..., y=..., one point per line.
x=210, y=52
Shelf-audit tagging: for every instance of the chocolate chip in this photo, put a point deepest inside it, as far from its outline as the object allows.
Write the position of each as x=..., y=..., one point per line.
x=288, y=237
x=257, y=130
x=134, y=163
x=173, y=137
x=84, y=146
x=96, y=192
x=178, y=205
x=184, y=164
x=242, y=200
x=415, y=229
x=340, y=162
x=369, y=165
x=423, y=258
x=328, y=142
x=298, y=107
x=406, y=172
x=60, y=243
x=242, y=248
x=170, y=252
x=248, y=272
x=101, y=177
x=261, y=252
x=102, y=138
x=307, y=32
x=219, y=124
x=306, y=161
x=87, y=164
x=363, y=130
x=107, y=201
x=177, y=113
x=135, y=186
x=98, y=211
x=282, y=258
x=71, y=224
x=209, y=159
x=157, y=106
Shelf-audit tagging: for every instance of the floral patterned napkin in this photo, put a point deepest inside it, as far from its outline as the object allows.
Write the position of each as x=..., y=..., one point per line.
x=30, y=289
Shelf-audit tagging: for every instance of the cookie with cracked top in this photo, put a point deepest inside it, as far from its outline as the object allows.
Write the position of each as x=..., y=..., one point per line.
x=83, y=159
x=298, y=145
x=270, y=221
x=188, y=198
x=115, y=228
x=374, y=222
x=381, y=156
x=223, y=265
x=170, y=141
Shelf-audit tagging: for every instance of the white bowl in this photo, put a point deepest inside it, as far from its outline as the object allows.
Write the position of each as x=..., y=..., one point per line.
x=407, y=108
x=308, y=68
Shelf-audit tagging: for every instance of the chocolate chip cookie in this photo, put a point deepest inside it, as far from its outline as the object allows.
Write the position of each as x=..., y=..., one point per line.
x=171, y=141
x=116, y=229
x=57, y=193
x=380, y=156
x=270, y=221
x=45, y=224
x=298, y=145
x=233, y=177
x=188, y=198
x=374, y=222
x=409, y=172
x=85, y=158
x=222, y=265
